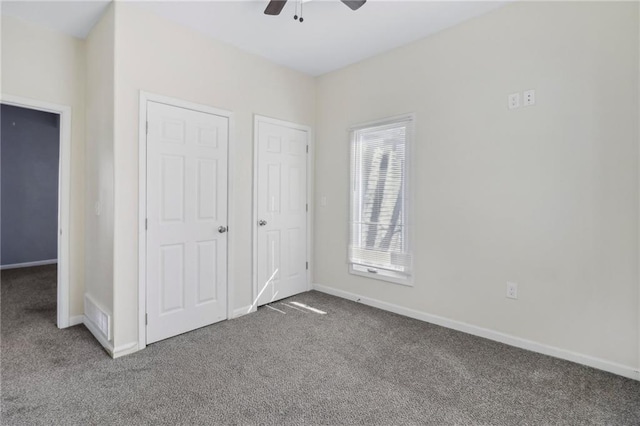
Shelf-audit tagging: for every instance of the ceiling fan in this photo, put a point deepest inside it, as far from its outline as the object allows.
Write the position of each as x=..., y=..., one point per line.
x=275, y=6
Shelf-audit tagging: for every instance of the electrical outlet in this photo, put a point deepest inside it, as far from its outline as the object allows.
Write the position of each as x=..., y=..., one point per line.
x=514, y=100
x=529, y=98
x=512, y=290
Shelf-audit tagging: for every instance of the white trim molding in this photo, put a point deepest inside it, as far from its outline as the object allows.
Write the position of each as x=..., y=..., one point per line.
x=114, y=353
x=243, y=311
x=126, y=349
x=76, y=320
x=600, y=364
x=144, y=99
x=64, y=197
x=29, y=264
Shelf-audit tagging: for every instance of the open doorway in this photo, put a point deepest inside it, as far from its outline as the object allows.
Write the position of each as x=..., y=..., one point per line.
x=29, y=153
x=34, y=219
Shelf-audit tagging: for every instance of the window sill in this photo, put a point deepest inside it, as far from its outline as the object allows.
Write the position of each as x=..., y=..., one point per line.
x=388, y=276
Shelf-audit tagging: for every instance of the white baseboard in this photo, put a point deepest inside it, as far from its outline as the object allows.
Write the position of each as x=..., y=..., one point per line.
x=99, y=335
x=241, y=311
x=116, y=352
x=123, y=350
x=601, y=364
x=29, y=264
x=76, y=320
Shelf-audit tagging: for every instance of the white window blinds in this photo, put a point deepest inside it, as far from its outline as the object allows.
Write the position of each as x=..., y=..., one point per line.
x=379, y=234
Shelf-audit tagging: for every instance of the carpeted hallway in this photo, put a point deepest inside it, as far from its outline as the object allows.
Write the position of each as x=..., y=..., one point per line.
x=354, y=365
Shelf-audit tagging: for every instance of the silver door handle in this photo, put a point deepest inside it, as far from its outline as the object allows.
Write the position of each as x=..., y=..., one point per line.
x=262, y=222
x=222, y=229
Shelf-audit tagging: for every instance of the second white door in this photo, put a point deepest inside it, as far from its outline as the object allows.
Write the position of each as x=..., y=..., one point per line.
x=187, y=220
x=281, y=210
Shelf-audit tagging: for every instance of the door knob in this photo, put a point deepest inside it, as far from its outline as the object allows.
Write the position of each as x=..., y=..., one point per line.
x=262, y=222
x=222, y=229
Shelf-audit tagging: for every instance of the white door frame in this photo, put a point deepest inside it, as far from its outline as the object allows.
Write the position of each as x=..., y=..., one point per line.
x=142, y=201
x=64, y=196
x=254, y=227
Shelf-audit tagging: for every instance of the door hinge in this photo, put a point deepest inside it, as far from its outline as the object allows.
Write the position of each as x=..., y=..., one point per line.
x=146, y=319
x=147, y=128
x=307, y=265
x=307, y=207
x=307, y=149
x=146, y=224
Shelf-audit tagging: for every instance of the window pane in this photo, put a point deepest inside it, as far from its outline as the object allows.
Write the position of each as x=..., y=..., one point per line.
x=378, y=197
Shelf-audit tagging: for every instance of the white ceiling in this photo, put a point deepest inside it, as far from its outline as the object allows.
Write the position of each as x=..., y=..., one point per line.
x=331, y=36
x=75, y=18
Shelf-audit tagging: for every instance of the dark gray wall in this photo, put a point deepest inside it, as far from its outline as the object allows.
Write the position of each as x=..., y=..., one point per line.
x=29, y=150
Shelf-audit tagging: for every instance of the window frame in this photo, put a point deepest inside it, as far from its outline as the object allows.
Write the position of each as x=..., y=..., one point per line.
x=361, y=270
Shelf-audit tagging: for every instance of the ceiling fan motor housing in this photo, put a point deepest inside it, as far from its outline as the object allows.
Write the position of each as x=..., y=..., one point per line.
x=275, y=7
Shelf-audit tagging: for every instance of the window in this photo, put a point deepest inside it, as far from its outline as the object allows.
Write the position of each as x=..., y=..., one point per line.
x=379, y=237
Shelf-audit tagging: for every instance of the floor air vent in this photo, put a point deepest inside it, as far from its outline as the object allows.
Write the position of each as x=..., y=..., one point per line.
x=97, y=316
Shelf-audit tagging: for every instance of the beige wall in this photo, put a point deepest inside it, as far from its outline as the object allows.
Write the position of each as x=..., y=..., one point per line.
x=48, y=66
x=99, y=208
x=161, y=57
x=546, y=196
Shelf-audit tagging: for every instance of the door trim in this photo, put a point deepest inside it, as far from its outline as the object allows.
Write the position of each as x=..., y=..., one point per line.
x=64, y=197
x=146, y=97
x=254, y=226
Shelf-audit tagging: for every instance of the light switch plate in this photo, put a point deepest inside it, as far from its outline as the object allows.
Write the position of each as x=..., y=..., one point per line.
x=514, y=100
x=512, y=290
x=529, y=98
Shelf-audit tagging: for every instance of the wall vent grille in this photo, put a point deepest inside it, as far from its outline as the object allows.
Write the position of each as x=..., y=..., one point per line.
x=97, y=316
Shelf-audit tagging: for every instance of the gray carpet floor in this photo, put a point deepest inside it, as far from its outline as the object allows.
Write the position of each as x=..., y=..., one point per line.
x=354, y=365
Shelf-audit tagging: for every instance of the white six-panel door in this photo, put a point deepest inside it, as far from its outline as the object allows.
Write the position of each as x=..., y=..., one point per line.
x=282, y=211
x=186, y=220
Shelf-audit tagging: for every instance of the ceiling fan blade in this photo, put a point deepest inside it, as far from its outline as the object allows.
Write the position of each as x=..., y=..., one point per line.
x=354, y=4
x=275, y=7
